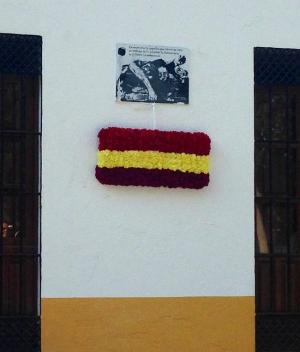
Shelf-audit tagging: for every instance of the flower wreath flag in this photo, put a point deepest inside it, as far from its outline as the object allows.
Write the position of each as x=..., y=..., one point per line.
x=141, y=157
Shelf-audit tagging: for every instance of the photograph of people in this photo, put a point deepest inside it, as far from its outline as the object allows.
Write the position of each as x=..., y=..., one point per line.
x=154, y=80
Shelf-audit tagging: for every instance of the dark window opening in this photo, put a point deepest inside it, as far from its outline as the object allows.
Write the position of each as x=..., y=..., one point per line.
x=277, y=199
x=20, y=196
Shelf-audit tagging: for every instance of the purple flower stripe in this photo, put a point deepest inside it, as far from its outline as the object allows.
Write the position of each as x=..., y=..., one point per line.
x=153, y=178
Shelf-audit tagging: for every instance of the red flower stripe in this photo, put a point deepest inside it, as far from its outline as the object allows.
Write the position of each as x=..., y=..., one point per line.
x=115, y=138
x=153, y=178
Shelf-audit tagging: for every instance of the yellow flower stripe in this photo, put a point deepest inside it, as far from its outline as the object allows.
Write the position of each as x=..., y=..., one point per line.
x=154, y=160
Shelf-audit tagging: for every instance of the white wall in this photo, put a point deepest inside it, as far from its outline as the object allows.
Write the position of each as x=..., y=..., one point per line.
x=110, y=241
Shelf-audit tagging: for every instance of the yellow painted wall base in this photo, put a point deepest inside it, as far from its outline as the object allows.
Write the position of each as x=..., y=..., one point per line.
x=198, y=324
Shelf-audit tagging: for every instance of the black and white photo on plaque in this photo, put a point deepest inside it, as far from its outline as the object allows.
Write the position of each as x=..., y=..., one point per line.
x=152, y=74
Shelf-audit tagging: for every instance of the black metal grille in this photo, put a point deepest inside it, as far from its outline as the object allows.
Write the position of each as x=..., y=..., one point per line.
x=20, y=193
x=21, y=54
x=20, y=334
x=274, y=66
x=278, y=333
x=277, y=199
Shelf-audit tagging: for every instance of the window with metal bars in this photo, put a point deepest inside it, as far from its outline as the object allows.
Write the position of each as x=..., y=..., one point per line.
x=277, y=199
x=20, y=144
